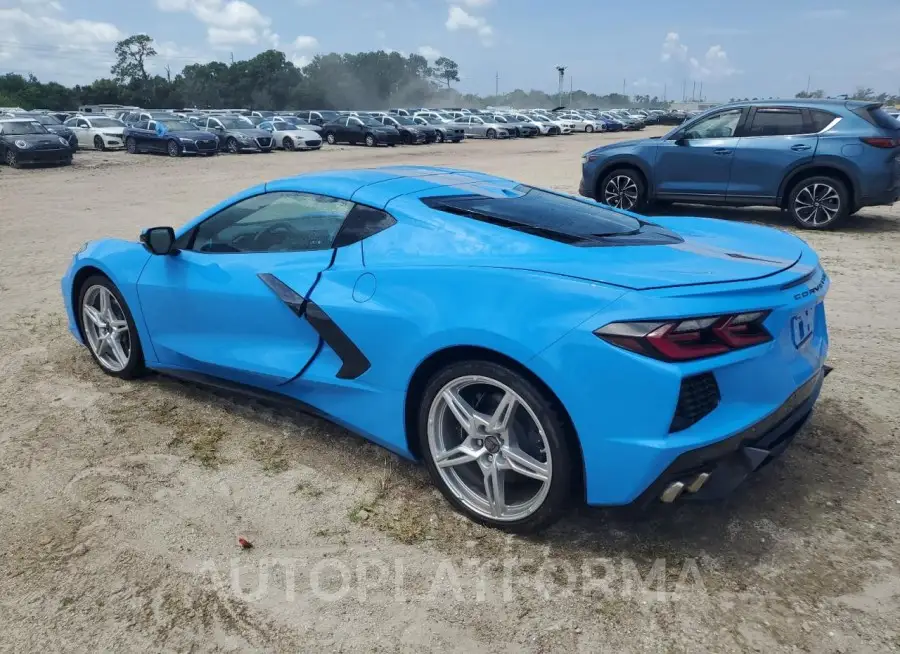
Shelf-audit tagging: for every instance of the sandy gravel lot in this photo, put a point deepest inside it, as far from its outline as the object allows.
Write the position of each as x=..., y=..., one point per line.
x=121, y=503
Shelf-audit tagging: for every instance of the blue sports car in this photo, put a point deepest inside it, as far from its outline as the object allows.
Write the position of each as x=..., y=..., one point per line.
x=530, y=347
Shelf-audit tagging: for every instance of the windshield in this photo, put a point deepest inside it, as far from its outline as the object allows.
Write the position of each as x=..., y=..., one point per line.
x=328, y=116
x=255, y=120
x=106, y=122
x=235, y=123
x=541, y=212
x=403, y=120
x=43, y=119
x=368, y=120
x=23, y=127
x=264, y=114
x=178, y=125
x=290, y=120
x=163, y=116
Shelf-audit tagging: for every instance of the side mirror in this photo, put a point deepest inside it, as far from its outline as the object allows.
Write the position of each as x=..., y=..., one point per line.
x=159, y=240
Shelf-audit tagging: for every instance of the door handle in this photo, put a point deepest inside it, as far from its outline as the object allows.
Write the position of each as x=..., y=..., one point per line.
x=800, y=147
x=722, y=151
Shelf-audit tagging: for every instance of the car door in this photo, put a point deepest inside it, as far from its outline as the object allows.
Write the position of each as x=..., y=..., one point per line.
x=231, y=303
x=775, y=141
x=80, y=132
x=140, y=134
x=155, y=142
x=356, y=132
x=696, y=160
x=476, y=127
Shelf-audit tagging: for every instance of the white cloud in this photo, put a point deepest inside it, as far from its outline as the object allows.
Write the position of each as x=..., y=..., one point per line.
x=429, y=53
x=228, y=22
x=39, y=39
x=715, y=64
x=459, y=19
x=305, y=43
x=300, y=61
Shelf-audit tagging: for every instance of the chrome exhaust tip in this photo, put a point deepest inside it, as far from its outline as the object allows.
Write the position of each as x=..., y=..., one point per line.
x=672, y=492
x=697, y=484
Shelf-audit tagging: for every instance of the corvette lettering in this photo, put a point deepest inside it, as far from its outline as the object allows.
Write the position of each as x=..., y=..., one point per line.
x=815, y=289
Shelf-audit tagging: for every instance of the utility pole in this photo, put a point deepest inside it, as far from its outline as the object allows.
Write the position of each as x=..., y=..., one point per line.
x=684, y=90
x=701, y=92
x=623, y=89
x=665, y=90
x=808, y=82
x=231, y=54
x=562, y=78
x=694, y=92
x=497, y=84
x=571, y=89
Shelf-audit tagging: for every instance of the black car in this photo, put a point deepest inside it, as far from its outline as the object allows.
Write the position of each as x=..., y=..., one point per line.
x=53, y=125
x=174, y=137
x=360, y=129
x=411, y=132
x=24, y=141
x=319, y=116
x=443, y=131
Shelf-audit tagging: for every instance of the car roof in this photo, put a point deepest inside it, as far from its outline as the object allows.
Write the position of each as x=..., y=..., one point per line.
x=801, y=102
x=16, y=120
x=378, y=186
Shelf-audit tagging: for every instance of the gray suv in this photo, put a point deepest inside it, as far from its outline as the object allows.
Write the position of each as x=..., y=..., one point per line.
x=236, y=134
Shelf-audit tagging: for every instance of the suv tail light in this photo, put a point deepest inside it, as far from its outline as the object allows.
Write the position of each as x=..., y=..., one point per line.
x=884, y=142
x=689, y=338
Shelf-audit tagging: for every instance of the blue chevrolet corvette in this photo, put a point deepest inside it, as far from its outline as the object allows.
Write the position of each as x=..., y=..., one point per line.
x=530, y=347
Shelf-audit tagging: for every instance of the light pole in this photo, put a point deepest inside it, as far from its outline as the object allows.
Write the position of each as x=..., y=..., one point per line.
x=562, y=78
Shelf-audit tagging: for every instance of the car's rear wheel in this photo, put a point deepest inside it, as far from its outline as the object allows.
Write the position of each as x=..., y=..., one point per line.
x=99, y=144
x=495, y=446
x=131, y=145
x=329, y=138
x=623, y=188
x=820, y=202
x=108, y=328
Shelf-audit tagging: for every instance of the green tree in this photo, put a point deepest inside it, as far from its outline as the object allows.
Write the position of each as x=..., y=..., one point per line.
x=132, y=55
x=446, y=70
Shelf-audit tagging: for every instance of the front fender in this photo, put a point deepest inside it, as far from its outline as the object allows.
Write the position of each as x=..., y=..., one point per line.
x=602, y=166
x=122, y=261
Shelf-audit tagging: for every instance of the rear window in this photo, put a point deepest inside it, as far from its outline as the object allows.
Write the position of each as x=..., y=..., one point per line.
x=820, y=119
x=876, y=115
x=540, y=212
x=776, y=122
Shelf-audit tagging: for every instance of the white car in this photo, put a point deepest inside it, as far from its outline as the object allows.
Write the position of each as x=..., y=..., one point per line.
x=583, y=124
x=98, y=132
x=565, y=126
x=547, y=128
x=288, y=137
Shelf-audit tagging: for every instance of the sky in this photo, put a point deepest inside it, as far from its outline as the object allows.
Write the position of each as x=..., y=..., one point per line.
x=654, y=47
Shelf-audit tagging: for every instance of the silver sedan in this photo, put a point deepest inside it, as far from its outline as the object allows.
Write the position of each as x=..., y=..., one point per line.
x=482, y=128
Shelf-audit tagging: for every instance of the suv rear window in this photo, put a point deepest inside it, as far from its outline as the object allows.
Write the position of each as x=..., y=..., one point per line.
x=820, y=119
x=876, y=115
x=776, y=122
x=540, y=212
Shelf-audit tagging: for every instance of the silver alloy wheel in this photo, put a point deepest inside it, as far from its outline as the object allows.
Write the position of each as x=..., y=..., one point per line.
x=817, y=204
x=106, y=328
x=621, y=192
x=483, y=456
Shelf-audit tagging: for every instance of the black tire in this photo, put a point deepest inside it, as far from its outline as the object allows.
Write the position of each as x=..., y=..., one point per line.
x=370, y=141
x=135, y=367
x=232, y=145
x=329, y=138
x=12, y=158
x=819, y=190
x=173, y=149
x=438, y=137
x=405, y=138
x=491, y=134
x=99, y=144
x=67, y=162
x=562, y=454
x=589, y=129
x=457, y=140
x=288, y=143
x=131, y=145
x=635, y=181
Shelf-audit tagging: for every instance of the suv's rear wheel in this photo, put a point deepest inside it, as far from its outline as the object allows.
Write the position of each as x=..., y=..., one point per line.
x=623, y=188
x=820, y=202
x=495, y=446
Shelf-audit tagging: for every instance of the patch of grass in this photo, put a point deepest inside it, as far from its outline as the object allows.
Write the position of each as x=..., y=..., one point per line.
x=205, y=445
x=271, y=455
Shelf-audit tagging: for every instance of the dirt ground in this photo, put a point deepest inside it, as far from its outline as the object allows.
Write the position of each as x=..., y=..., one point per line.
x=121, y=503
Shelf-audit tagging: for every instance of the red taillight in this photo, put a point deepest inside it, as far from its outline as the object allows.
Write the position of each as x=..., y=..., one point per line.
x=881, y=141
x=689, y=338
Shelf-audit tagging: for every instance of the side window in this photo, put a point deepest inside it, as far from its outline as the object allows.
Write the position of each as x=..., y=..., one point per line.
x=151, y=126
x=776, y=122
x=82, y=123
x=356, y=122
x=141, y=125
x=70, y=122
x=721, y=125
x=820, y=119
x=273, y=222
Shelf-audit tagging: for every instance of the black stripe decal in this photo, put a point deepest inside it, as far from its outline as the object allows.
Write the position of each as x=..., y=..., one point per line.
x=353, y=362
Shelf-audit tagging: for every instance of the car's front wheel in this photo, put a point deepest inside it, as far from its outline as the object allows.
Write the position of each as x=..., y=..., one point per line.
x=438, y=137
x=819, y=203
x=330, y=139
x=623, y=188
x=173, y=149
x=589, y=129
x=288, y=143
x=12, y=158
x=496, y=446
x=99, y=144
x=108, y=328
x=370, y=140
x=131, y=145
